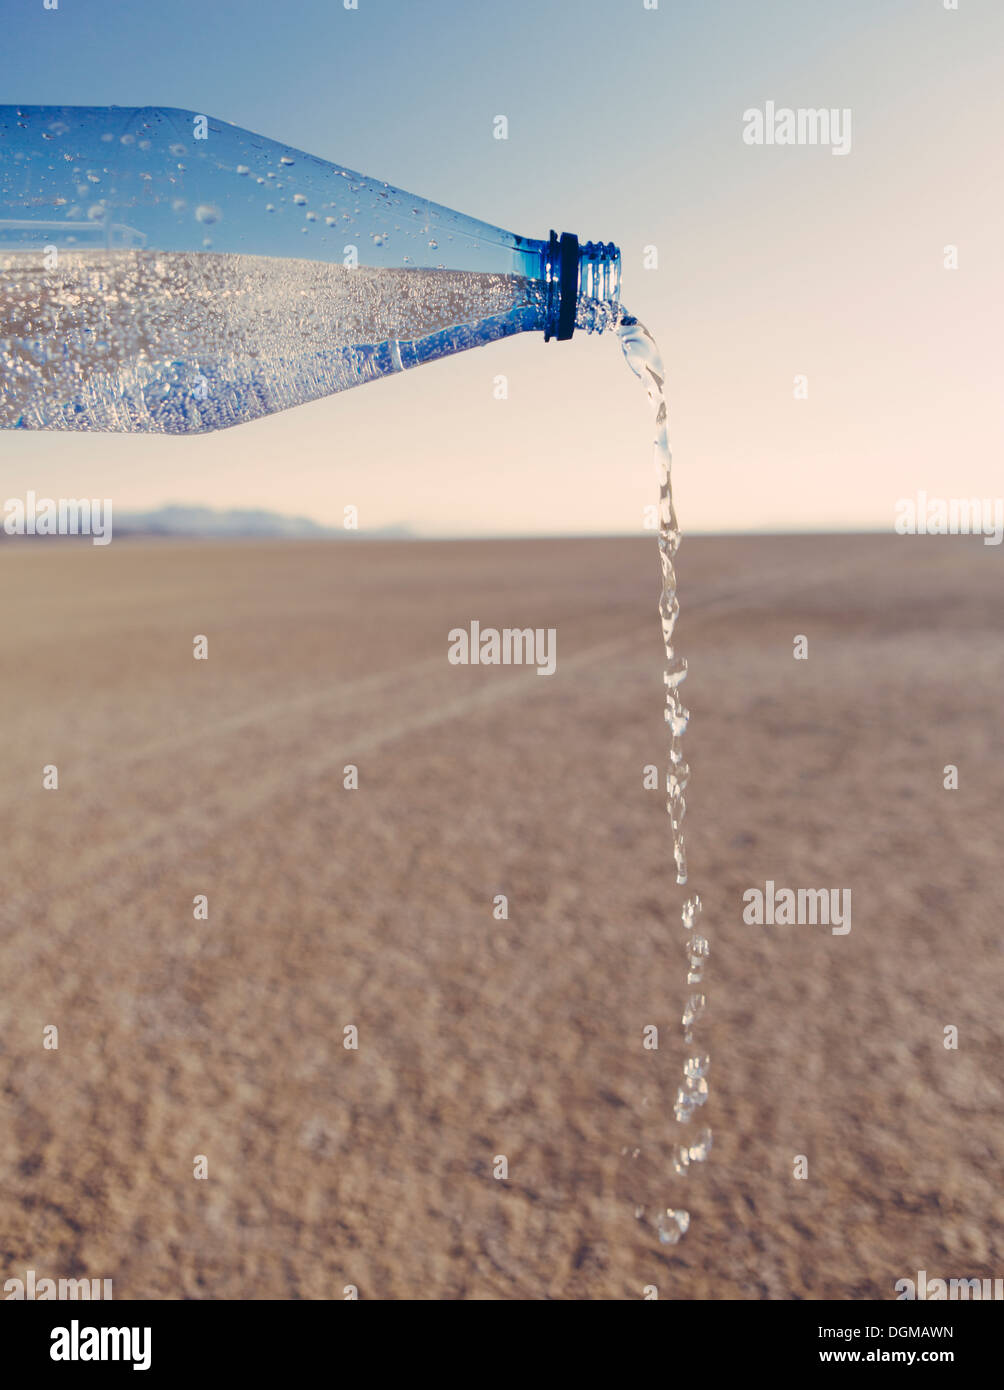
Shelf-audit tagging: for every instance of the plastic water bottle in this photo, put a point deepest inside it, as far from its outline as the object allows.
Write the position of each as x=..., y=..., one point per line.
x=164, y=271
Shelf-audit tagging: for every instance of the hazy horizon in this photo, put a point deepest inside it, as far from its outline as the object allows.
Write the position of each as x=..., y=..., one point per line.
x=192, y=519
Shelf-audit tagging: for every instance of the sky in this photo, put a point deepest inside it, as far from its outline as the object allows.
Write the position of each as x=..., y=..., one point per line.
x=625, y=124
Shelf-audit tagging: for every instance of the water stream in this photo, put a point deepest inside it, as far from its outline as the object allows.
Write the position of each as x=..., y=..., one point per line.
x=643, y=357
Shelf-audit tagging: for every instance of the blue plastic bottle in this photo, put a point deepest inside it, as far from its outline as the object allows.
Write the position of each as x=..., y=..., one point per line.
x=164, y=271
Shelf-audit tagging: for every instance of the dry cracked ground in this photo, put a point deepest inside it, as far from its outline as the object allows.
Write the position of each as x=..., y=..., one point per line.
x=479, y=1036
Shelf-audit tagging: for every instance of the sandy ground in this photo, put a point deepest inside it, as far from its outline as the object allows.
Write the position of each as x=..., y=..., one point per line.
x=480, y=1037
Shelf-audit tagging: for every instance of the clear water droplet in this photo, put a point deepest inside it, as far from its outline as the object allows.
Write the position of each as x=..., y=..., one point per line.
x=696, y=1089
x=693, y=1009
x=701, y=1147
x=677, y=718
x=672, y=1226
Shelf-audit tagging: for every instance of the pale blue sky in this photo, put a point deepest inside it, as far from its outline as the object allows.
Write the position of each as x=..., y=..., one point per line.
x=625, y=125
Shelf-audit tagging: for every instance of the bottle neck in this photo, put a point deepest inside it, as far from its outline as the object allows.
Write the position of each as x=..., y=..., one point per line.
x=582, y=285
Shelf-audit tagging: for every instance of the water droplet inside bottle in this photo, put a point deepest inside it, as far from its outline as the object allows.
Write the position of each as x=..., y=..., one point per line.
x=286, y=159
x=208, y=213
x=300, y=198
x=243, y=169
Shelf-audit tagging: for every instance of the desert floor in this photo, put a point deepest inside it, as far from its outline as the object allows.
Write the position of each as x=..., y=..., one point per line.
x=480, y=1037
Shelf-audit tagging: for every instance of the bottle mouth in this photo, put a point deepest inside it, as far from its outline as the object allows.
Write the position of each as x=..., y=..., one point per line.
x=579, y=280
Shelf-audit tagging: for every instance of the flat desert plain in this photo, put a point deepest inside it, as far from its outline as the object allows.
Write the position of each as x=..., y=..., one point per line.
x=479, y=1036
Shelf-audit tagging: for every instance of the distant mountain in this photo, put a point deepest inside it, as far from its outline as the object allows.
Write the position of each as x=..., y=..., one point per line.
x=177, y=520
